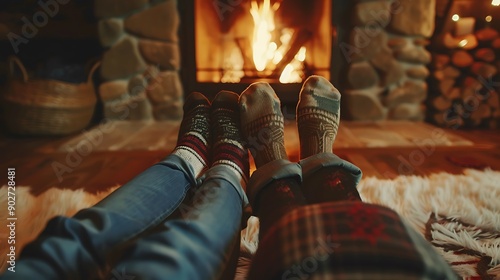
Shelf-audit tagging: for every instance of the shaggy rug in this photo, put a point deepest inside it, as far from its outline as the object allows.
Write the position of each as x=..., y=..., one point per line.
x=458, y=214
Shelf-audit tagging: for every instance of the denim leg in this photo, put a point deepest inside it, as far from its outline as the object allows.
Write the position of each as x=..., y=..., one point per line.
x=196, y=246
x=76, y=247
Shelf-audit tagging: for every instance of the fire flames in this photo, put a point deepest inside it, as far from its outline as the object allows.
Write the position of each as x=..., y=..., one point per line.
x=268, y=46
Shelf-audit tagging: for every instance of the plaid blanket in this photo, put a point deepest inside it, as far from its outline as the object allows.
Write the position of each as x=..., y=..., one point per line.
x=346, y=240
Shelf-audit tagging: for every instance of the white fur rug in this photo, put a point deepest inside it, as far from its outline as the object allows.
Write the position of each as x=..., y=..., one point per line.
x=458, y=214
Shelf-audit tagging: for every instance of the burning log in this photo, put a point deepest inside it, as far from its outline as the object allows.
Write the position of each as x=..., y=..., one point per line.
x=298, y=40
x=461, y=99
x=462, y=59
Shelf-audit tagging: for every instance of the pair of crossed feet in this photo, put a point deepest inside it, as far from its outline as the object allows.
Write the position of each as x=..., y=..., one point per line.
x=221, y=132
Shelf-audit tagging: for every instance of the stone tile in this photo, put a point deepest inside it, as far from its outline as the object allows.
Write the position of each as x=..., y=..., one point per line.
x=419, y=72
x=391, y=70
x=166, y=87
x=410, y=92
x=362, y=75
x=137, y=85
x=382, y=60
x=110, y=31
x=414, y=17
x=407, y=111
x=112, y=90
x=374, y=13
x=122, y=60
x=363, y=105
x=140, y=108
x=414, y=55
x=168, y=111
x=364, y=44
x=158, y=22
x=165, y=55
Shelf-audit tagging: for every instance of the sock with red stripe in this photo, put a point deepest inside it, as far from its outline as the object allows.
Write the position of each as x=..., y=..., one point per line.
x=228, y=146
x=193, y=141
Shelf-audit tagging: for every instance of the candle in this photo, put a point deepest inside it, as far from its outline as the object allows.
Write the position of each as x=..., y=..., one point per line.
x=464, y=26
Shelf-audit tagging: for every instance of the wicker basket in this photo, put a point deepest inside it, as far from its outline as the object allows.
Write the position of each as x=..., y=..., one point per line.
x=46, y=107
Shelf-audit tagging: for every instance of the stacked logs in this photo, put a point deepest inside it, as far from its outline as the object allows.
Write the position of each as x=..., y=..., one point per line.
x=465, y=81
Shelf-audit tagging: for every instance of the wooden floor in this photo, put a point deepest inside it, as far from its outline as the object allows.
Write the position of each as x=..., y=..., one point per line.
x=105, y=156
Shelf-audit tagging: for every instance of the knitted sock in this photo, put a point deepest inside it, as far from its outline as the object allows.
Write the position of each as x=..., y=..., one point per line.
x=194, y=134
x=277, y=199
x=262, y=123
x=318, y=116
x=228, y=146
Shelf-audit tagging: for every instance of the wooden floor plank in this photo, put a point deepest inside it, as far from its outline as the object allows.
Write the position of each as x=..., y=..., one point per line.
x=378, y=148
x=450, y=136
x=155, y=137
x=375, y=137
x=346, y=139
x=364, y=164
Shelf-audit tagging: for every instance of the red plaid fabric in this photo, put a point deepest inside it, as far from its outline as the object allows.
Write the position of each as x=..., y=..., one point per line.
x=342, y=240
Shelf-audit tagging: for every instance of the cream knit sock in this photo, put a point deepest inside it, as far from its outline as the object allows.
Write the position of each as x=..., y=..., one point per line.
x=318, y=116
x=262, y=123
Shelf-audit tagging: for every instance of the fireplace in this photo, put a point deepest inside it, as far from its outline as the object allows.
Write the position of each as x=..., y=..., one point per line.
x=233, y=43
x=390, y=59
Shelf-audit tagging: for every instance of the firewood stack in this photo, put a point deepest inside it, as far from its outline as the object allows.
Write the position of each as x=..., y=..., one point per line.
x=465, y=80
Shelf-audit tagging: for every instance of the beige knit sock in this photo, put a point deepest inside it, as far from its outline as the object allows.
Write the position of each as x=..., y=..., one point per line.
x=262, y=123
x=318, y=116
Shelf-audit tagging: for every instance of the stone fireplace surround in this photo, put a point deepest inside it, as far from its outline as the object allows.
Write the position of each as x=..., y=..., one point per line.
x=386, y=59
x=382, y=58
x=384, y=53
x=140, y=67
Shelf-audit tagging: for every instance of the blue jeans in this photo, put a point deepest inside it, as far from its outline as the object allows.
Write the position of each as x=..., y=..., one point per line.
x=195, y=244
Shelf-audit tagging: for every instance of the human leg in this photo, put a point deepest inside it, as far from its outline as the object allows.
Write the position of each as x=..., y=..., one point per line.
x=345, y=240
x=326, y=176
x=198, y=245
x=339, y=239
x=274, y=188
x=77, y=247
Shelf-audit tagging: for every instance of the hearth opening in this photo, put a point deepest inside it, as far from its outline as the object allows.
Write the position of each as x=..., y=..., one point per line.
x=238, y=42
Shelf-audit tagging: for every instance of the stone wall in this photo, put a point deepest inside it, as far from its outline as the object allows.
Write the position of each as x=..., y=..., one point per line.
x=386, y=55
x=464, y=91
x=140, y=68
